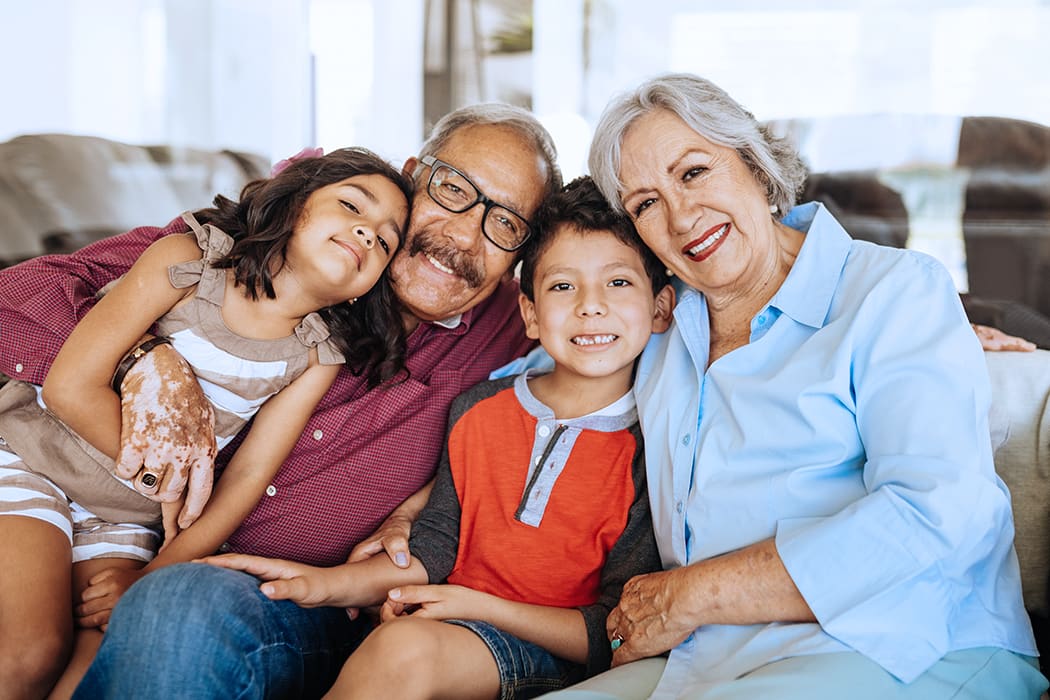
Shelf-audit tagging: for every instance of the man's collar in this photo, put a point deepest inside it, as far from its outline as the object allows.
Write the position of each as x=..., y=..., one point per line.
x=450, y=322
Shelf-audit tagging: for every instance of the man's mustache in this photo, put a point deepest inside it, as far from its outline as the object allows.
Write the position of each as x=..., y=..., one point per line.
x=472, y=271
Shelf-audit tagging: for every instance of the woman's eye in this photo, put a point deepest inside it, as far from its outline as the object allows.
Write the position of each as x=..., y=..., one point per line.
x=693, y=172
x=642, y=206
x=349, y=205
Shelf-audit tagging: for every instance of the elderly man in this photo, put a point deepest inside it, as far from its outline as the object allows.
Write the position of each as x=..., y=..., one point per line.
x=196, y=631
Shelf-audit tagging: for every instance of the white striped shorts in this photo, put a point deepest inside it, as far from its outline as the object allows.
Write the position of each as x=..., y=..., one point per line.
x=26, y=493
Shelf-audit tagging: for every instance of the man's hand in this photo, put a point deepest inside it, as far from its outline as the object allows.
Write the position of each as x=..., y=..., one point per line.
x=436, y=602
x=995, y=340
x=167, y=436
x=101, y=596
x=391, y=537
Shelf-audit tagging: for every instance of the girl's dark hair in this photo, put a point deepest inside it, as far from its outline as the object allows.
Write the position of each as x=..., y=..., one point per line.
x=581, y=206
x=369, y=332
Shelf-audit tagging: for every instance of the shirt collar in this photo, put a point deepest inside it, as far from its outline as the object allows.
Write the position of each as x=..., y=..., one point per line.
x=451, y=322
x=807, y=292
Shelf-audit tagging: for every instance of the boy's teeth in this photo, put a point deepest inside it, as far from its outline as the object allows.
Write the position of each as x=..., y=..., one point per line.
x=709, y=241
x=593, y=339
x=437, y=263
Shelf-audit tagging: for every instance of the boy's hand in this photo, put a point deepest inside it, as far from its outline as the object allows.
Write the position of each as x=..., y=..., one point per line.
x=101, y=596
x=391, y=537
x=436, y=602
x=167, y=435
x=309, y=586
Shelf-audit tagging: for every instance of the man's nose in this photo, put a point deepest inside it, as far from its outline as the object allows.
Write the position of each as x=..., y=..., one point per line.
x=464, y=228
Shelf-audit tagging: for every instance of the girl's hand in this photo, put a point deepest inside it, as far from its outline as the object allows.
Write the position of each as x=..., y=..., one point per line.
x=436, y=602
x=167, y=435
x=309, y=586
x=101, y=596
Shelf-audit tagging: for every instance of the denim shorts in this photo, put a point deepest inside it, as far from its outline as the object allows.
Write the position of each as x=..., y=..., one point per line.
x=526, y=670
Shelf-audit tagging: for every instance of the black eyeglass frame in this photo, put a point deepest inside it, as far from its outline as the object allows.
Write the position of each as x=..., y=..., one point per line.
x=433, y=163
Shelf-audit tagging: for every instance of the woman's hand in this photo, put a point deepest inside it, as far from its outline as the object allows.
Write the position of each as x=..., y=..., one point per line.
x=167, y=436
x=101, y=595
x=650, y=618
x=436, y=602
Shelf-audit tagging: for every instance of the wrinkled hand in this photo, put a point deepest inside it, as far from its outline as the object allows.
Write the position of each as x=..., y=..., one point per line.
x=167, y=433
x=436, y=602
x=995, y=340
x=648, y=617
x=101, y=596
x=309, y=586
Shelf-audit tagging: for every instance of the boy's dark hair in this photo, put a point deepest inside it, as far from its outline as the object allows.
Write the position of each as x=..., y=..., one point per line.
x=369, y=332
x=580, y=205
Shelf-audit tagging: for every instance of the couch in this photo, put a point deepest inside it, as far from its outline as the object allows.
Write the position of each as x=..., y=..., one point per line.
x=58, y=192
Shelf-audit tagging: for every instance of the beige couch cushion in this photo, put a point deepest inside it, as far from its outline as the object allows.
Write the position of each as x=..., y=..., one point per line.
x=1021, y=406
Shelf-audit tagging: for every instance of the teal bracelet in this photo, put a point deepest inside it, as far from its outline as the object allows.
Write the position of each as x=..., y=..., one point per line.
x=134, y=356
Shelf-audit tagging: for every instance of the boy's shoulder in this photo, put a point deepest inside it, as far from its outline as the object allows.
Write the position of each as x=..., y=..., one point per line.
x=479, y=392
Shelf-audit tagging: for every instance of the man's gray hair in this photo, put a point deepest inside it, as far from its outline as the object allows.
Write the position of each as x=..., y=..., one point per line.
x=713, y=114
x=499, y=114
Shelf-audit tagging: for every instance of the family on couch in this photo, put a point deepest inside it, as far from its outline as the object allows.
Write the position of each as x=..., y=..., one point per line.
x=825, y=524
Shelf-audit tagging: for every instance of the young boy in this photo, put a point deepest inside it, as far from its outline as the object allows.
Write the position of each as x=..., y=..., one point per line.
x=539, y=512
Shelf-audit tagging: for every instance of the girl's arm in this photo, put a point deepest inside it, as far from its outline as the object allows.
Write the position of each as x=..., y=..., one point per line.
x=273, y=434
x=77, y=388
x=350, y=585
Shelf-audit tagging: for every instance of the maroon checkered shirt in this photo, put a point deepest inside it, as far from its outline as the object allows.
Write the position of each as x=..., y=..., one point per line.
x=362, y=452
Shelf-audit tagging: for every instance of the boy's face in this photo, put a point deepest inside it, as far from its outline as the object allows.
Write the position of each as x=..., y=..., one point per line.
x=594, y=307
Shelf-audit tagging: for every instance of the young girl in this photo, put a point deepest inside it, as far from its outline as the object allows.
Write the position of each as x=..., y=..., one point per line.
x=266, y=299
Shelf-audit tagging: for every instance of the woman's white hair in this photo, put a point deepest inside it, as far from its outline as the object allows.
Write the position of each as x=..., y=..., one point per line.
x=713, y=114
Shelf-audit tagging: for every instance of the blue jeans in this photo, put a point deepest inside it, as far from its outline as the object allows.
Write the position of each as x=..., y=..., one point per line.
x=193, y=631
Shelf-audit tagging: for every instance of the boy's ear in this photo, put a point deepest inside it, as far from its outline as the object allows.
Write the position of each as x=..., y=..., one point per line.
x=664, y=308
x=528, y=315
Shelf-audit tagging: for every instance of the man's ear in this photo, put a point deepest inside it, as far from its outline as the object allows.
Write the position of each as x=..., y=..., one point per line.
x=528, y=315
x=409, y=168
x=664, y=309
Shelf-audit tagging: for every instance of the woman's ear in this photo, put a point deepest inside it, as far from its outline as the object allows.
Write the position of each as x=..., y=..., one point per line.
x=528, y=315
x=664, y=309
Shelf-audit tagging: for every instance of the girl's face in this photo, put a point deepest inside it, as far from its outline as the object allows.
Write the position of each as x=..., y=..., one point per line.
x=346, y=236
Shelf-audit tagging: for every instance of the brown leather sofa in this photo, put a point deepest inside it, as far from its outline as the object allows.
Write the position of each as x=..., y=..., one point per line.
x=59, y=192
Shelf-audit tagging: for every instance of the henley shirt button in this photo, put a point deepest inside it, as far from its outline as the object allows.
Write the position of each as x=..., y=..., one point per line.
x=224, y=547
x=271, y=490
x=544, y=431
x=19, y=367
x=318, y=434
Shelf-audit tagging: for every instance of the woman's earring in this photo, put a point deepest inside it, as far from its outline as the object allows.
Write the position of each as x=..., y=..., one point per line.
x=773, y=209
x=669, y=272
x=352, y=300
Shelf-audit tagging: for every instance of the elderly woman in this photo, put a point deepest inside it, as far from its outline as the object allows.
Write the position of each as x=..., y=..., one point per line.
x=816, y=426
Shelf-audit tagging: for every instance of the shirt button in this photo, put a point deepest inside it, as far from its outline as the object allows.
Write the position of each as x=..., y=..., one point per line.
x=678, y=507
x=686, y=439
x=544, y=431
x=318, y=434
x=19, y=367
x=224, y=547
x=271, y=490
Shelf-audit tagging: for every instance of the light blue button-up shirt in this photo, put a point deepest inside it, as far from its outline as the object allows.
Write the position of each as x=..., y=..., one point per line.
x=853, y=429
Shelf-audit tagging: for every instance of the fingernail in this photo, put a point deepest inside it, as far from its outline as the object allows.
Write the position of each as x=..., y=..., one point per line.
x=401, y=558
x=394, y=593
x=267, y=589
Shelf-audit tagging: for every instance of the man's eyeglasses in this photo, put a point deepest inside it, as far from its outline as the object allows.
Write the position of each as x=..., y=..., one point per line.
x=506, y=228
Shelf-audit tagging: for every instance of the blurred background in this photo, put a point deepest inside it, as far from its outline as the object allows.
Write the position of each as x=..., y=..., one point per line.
x=876, y=84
